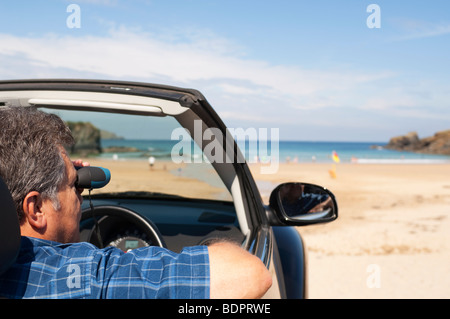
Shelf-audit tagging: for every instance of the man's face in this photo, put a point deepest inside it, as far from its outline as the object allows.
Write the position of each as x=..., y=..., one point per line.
x=63, y=224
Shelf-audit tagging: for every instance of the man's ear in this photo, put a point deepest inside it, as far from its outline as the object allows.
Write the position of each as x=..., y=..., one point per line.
x=34, y=215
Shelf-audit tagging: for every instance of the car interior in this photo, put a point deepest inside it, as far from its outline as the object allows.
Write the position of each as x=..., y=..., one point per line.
x=204, y=190
x=130, y=218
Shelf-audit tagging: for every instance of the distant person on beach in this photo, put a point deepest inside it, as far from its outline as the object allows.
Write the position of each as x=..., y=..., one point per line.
x=43, y=183
x=151, y=162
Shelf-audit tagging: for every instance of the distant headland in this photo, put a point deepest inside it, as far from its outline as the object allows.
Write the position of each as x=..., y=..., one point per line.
x=88, y=140
x=439, y=143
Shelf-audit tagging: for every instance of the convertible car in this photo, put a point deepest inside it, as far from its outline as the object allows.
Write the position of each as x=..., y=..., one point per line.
x=178, y=177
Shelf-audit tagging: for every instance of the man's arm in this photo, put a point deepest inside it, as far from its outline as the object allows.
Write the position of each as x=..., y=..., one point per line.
x=235, y=273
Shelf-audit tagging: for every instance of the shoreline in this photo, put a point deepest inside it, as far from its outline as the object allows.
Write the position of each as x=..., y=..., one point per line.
x=361, y=160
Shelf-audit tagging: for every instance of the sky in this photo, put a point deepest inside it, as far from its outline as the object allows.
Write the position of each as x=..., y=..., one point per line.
x=324, y=70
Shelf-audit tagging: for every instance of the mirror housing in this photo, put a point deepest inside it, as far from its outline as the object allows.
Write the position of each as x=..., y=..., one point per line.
x=300, y=204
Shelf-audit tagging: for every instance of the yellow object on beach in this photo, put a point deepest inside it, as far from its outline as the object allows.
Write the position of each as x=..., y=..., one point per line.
x=336, y=157
x=332, y=171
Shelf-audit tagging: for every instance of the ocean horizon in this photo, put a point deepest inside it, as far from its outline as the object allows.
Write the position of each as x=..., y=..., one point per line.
x=284, y=151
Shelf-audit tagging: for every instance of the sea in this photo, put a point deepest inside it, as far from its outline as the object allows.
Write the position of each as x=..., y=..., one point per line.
x=283, y=151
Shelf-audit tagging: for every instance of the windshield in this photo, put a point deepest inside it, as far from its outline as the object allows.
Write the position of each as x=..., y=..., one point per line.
x=144, y=154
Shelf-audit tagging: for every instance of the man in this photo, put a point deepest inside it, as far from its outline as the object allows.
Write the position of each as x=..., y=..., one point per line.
x=51, y=262
x=151, y=162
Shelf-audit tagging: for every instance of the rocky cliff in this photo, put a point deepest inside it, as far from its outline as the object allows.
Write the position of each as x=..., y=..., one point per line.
x=437, y=144
x=87, y=138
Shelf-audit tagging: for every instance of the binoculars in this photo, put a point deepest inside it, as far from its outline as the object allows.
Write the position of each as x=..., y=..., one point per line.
x=91, y=177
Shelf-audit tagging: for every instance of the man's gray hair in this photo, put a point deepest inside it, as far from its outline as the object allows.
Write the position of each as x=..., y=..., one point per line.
x=30, y=153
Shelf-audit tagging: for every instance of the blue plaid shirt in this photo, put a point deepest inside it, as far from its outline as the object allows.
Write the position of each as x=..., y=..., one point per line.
x=46, y=269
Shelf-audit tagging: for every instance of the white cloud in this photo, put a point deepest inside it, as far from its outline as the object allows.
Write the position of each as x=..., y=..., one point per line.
x=128, y=53
x=239, y=87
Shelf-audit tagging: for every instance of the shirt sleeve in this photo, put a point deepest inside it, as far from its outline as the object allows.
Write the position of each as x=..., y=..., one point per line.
x=150, y=272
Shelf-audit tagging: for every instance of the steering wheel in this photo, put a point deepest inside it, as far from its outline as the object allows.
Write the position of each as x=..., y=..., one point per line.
x=119, y=227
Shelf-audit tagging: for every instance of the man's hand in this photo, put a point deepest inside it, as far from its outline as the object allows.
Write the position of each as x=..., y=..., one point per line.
x=80, y=163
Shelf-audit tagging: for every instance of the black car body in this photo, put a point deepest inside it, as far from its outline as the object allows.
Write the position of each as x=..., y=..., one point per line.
x=135, y=217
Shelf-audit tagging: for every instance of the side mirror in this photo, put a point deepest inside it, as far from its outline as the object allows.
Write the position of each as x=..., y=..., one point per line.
x=299, y=204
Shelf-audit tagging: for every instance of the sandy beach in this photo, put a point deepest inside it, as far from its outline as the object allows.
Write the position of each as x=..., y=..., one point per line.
x=391, y=239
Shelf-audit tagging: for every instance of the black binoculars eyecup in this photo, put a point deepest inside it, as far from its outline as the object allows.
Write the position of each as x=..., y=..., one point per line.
x=91, y=177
